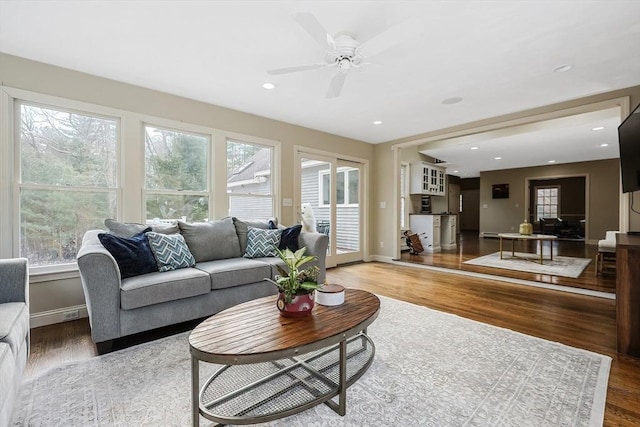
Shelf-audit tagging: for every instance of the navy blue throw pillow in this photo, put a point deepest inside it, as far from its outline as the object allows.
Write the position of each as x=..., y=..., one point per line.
x=289, y=238
x=133, y=254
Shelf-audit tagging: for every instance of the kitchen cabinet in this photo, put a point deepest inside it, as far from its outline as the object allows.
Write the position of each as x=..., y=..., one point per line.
x=427, y=179
x=436, y=232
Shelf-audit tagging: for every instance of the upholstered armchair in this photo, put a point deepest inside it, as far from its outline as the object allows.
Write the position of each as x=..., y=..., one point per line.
x=606, y=256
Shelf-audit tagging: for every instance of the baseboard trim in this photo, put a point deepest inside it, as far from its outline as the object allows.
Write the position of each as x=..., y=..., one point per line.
x=50, y=317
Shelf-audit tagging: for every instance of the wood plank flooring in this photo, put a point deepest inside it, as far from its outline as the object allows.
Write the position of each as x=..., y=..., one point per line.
x=577, y=320
x=470, y=246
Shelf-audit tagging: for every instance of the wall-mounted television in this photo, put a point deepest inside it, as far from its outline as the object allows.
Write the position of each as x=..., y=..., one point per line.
x=629, y=141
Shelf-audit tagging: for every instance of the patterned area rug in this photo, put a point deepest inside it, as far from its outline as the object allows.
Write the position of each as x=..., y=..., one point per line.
x=430, y=368
x=560, y=266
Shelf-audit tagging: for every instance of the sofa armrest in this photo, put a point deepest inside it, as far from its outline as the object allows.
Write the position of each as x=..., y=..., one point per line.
x=100, y=278
x=14, y=280
x=316, y=245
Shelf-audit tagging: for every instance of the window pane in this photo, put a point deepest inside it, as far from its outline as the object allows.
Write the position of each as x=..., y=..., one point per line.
x=340, y=188
x=326, y=186
x=402, y=212
x=189, y=208
x=249, y=207
x=63, y=148
x=354, y=182
x=175, y=160
x=248, y=168
x=52, y=223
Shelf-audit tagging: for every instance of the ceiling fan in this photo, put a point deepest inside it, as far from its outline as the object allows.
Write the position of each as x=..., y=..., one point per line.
x=345, y=53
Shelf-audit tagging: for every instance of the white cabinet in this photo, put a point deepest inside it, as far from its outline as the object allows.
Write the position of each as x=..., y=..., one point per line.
x=436, y=232
x=428, y=179
x=427, y=227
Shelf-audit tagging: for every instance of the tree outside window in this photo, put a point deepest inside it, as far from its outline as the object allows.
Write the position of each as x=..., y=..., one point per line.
x=68, y=169
x=176, y=175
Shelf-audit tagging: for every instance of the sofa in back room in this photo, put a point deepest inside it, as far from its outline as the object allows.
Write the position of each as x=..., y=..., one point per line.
x=216, y=265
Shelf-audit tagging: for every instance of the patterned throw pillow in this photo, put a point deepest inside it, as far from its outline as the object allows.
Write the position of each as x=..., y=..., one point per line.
x=171, y=251
x=261, y=243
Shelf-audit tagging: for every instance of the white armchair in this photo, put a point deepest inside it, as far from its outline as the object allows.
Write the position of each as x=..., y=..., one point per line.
x=606, y=252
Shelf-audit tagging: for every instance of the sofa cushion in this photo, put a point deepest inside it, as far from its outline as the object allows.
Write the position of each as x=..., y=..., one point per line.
x=128, y=229
x=158, y=287
x=262, y=243
x=235, y=272
x=14, y=325
x=212, y=240
x=289, y=238
x=274, y=263
x=171, y=251
x=133, y=255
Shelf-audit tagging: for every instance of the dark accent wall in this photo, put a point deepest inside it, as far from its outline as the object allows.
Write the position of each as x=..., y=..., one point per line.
x=572, y=196
x=469, y=184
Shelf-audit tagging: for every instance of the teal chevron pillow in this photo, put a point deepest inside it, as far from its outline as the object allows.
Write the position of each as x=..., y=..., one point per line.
x=171, y=251
x=261, y=242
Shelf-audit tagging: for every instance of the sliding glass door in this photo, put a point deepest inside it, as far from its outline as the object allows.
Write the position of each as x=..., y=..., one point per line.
x=332, y=188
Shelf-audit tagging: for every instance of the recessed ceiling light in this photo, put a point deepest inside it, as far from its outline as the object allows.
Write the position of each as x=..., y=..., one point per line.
x=474, y=148
x=604, y=145
x=269, y=86
x=453, y=100
x=551, y=161
x=598, y=128
x=377, y=122
x=563, y=68
x=498, y=158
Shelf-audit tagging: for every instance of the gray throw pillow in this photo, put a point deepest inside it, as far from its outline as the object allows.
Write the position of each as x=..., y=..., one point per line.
x=212, y=240
x=128, y=229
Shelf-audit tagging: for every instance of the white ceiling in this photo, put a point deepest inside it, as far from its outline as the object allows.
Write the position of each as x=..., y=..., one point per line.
x=498, y=56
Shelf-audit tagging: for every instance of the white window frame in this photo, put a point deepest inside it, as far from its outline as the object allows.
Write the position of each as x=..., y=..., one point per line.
x=404, y=196
x=207, y=192
x=535, y=201
x=345, y=170
x=273, y=182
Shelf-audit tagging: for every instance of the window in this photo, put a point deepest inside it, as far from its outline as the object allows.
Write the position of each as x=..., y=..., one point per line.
x=249, y=180
x=347, y=187
x=68, y=185
x=404, y=183
x=547, y=202
x=176, y=175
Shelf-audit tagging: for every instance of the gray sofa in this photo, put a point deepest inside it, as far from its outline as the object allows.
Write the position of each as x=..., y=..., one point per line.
x=221, y=278
x=14, y=331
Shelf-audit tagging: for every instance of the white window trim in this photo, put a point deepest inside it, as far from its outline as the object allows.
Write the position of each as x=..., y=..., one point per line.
x=535, y=200
x=324, y=172
x=404, y=195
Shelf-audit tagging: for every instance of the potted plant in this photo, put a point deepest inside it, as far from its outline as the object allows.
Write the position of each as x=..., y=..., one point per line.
x=296, y=286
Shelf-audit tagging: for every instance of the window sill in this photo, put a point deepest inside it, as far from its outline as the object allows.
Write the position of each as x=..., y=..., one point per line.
x=52, y=273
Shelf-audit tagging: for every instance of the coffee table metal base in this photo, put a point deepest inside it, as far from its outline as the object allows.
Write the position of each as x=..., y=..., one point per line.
x=261, y=392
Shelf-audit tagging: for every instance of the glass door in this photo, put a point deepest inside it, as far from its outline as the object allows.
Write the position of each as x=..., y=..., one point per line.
x=330, y=197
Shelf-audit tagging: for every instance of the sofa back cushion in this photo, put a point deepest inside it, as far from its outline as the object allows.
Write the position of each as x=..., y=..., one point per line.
x=212, y=240
x=242, y=228
x=128, y=229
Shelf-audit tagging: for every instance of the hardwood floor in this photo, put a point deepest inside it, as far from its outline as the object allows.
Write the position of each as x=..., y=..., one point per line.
x=577, y=320
x=470, y=246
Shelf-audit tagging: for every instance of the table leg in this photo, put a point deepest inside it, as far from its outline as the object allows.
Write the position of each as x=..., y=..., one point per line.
x=540, y=251
x=342, y=399
x=195, y=389
x=500, y=247
x=513, y=248
x=551, y=248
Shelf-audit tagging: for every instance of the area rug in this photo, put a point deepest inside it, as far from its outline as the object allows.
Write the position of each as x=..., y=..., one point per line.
x=430, y=369
x=560, y=266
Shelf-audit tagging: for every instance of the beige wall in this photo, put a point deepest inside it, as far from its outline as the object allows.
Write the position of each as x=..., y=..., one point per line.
x=602, y=184
x=383, y=166
x=19, y=73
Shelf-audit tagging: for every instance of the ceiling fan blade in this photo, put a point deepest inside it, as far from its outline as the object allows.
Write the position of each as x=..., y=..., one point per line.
x=295, y=69
x=392, y=36
x=335, y=87
x=315, y=29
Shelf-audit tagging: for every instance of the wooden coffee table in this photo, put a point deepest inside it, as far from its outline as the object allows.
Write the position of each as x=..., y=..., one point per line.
x=275, y=366
x=536, y=237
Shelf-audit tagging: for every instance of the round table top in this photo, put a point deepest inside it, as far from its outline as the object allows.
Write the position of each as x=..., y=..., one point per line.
x=255, y=331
